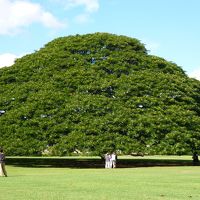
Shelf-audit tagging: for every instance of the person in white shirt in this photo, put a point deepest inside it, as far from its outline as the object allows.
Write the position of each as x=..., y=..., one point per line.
x=113, y=160
x=107, y=160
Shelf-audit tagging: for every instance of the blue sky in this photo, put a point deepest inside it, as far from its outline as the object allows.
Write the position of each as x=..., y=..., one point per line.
x=168, y=28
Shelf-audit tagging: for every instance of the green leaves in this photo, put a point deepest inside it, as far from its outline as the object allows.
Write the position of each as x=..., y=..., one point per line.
x=93, y=93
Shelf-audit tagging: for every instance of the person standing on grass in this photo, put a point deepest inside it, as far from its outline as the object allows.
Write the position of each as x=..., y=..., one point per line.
x=2, y=164
x=195, y=158
x=113, y=160
x=107, y=161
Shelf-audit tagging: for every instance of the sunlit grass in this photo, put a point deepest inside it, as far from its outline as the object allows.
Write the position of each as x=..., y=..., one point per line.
x=153, y=183
x=158, y=157
x=163, y=157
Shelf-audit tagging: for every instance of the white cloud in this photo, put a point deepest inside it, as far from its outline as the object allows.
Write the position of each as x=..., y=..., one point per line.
x=17, y=14
x=195, y=74
x=90, y=5
x=7, y=59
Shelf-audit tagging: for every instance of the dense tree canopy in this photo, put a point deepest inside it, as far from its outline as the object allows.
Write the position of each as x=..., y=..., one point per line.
x=95, y=93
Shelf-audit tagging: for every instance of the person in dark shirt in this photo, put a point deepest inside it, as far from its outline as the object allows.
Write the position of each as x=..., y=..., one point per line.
x=195, y=158
x=2, y=164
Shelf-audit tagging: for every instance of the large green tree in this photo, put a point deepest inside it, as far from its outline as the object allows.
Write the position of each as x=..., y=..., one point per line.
x=95, y=93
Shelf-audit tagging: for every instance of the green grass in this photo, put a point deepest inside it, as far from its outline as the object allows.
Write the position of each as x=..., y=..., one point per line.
x=151, y=183
x=163, y=157
x=158, y=157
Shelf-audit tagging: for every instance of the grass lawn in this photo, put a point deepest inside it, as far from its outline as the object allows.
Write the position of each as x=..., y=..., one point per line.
x=145, y=183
